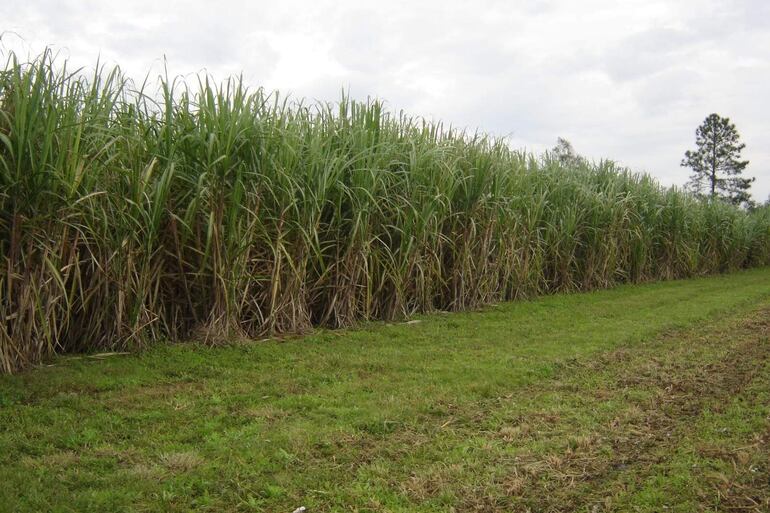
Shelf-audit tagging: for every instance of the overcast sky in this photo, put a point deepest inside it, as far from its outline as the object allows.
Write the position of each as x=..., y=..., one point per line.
x=627, y=80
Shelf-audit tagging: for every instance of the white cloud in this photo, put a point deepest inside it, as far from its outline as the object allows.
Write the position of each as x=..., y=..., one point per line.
x=629, y=80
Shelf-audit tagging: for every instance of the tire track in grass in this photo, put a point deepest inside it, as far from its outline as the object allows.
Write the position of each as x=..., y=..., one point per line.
x=660, y=387
x=724, y=465
x=682, y=385
x=656, y=390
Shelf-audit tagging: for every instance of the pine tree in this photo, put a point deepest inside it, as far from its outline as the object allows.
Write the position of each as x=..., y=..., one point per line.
x=716, y=162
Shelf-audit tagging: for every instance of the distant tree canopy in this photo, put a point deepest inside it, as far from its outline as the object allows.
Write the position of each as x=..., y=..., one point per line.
x=565, y=153
x=716, y=162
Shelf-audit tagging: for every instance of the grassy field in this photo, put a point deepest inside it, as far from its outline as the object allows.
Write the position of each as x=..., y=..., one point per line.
x=639, y=398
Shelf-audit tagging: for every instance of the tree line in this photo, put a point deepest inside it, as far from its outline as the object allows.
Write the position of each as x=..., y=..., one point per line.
x=716, y=163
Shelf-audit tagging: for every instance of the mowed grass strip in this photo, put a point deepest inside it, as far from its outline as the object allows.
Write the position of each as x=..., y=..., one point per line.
x=566, y=402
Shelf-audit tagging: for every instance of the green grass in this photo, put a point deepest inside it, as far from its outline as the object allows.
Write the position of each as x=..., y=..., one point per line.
x=626, y=399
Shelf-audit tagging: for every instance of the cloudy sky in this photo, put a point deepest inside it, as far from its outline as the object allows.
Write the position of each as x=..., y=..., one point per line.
x=628, y=80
